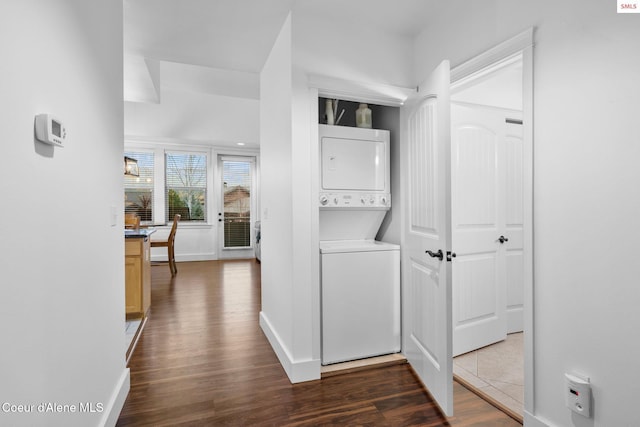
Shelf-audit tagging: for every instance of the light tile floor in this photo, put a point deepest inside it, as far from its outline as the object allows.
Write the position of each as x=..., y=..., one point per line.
x=131, y=327
x=497, y=370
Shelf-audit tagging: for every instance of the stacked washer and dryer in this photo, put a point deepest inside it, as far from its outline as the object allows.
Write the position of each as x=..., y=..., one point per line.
x=360, y=276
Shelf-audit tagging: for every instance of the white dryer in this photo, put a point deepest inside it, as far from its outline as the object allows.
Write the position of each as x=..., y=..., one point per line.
x=355, y=186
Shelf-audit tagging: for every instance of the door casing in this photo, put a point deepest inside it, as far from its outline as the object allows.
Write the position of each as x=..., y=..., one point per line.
x=465, y=74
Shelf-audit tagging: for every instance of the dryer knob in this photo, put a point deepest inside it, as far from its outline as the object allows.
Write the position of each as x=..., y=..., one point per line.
x=384, y=200
x=335, y=200
x=324, y=200
x=371, y=200
x=362, y=200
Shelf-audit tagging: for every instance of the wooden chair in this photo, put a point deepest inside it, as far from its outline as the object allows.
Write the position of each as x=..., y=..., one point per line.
x=131, y=220
x=169, y=245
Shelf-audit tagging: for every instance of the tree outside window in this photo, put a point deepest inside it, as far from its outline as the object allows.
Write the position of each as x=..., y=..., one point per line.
x=186, y=185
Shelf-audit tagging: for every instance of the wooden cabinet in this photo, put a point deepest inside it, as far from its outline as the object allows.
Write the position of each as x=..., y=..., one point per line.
x=137, y=276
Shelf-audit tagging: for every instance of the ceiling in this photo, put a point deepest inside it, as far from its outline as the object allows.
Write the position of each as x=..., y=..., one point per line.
x=225, y=34
x=226, y=42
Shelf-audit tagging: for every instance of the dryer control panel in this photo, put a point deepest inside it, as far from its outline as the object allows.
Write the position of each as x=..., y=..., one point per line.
x=356, y=200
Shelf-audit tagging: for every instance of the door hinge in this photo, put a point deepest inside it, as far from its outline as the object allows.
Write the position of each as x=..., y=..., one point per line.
x=450, y=255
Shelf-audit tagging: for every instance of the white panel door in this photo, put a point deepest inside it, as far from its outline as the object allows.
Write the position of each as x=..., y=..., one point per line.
x=479, y=283
x=486, y=192
x=427, y=227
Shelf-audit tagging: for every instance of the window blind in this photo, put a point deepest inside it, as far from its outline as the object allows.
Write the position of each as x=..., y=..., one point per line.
x=236, y=176
x=138, y=190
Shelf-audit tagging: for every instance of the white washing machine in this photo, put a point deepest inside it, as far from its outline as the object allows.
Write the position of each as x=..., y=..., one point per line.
x=360, y=299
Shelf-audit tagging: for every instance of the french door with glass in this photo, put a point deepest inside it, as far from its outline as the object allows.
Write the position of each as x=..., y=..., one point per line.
x=237, y=206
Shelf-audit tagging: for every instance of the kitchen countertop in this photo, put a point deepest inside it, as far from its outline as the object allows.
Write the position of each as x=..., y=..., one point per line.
x=130, y=233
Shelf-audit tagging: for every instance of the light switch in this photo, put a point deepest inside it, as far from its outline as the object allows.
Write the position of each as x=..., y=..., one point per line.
x=113, y=215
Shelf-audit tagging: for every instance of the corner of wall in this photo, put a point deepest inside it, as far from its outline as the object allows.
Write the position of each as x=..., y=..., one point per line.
x=116, y=403
x=297, y=371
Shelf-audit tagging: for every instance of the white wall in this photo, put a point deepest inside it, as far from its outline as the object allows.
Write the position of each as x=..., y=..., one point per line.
x=289, y=317
x=359, y=54
x=391, y=228
x=195, y=117
x=276, y=317
x=586, y=93
x=62, y=293
x=306, y=307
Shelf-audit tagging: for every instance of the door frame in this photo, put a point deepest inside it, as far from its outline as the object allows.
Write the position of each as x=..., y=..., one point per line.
x=465, y=74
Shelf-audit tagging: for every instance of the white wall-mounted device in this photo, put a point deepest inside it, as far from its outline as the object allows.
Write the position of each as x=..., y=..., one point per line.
x=50, y=130
x=578, y=394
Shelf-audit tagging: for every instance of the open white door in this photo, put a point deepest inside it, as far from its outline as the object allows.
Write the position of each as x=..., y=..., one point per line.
x=478, y=231
x=427, y=324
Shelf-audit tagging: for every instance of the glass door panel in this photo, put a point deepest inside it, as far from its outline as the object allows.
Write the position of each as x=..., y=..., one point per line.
x=237, y=183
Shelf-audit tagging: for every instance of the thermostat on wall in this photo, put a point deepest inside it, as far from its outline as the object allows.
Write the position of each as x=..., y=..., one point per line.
x=50, y=130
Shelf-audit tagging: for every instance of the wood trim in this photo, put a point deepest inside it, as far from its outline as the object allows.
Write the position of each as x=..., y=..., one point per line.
x=489, y=399
x=498, y=53
x=362, y=364
x=528, y=239
x=371, y=93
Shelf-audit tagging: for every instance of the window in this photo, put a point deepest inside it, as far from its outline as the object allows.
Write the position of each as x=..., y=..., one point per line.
x=186, y=186
x=138, y=190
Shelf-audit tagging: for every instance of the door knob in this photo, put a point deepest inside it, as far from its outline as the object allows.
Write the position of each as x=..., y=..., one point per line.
x=438, y=254
x=502, y=239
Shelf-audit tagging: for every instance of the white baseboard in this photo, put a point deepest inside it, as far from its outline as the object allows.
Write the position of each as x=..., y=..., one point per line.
x=237, y=254
x=186, y=257
x=515, y=319
x=532, y=421
x=116, y=402
x=297, y=371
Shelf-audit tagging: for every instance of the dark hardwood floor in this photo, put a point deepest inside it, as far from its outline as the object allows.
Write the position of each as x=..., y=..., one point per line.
x=203, y=360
